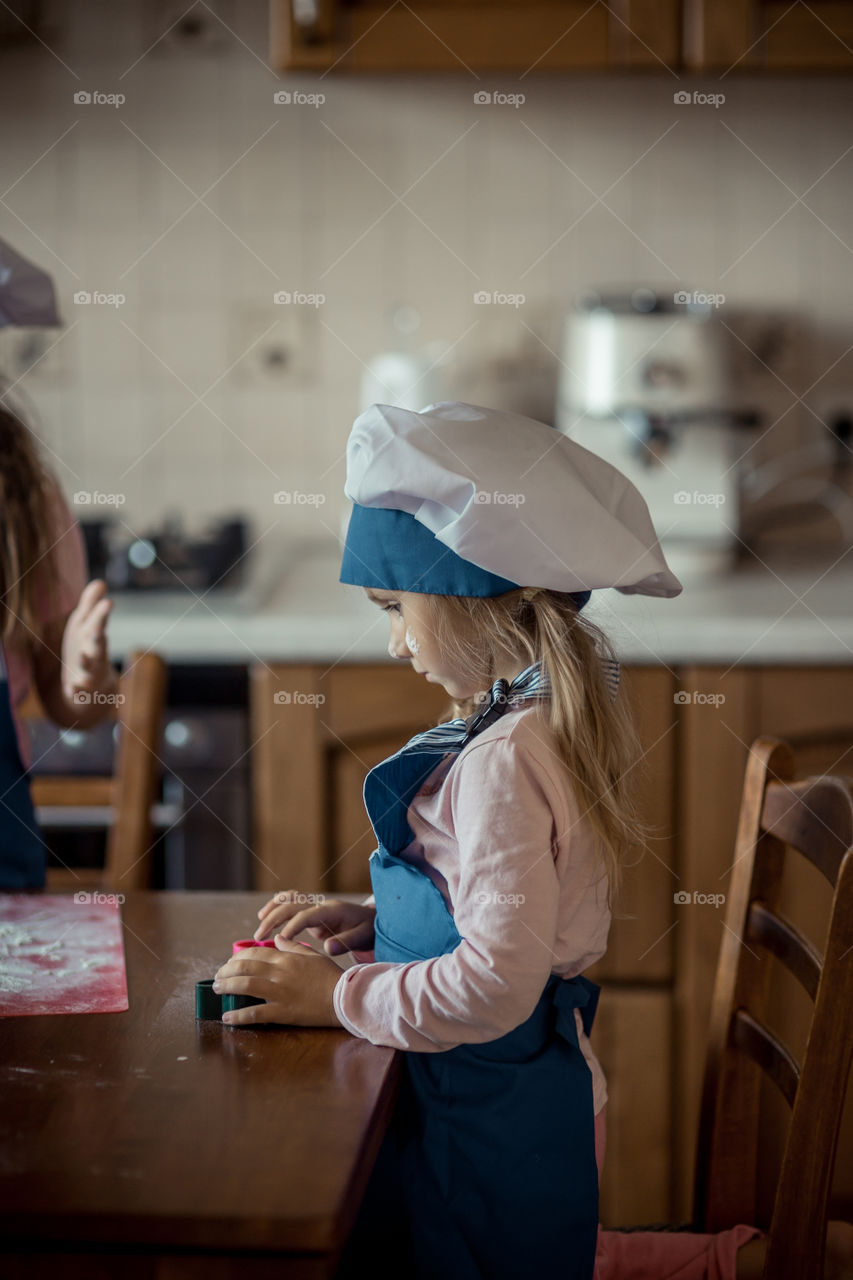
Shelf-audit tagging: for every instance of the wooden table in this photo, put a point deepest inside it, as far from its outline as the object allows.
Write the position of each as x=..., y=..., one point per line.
x=146, y=1144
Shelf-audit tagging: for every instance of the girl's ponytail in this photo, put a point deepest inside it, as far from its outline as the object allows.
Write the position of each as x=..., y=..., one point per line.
x=596, y=734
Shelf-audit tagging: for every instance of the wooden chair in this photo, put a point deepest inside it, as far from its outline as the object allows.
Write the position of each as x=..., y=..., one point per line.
x=815, y=818
x=130, y=791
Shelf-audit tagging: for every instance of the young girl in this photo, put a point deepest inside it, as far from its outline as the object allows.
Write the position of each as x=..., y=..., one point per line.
x=500, y=837
x=52, y=632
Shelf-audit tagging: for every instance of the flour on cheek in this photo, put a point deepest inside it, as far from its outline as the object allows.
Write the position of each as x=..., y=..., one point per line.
x=411, y=642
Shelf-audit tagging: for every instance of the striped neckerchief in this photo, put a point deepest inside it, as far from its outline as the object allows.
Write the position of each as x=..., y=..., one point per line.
x=531, y=684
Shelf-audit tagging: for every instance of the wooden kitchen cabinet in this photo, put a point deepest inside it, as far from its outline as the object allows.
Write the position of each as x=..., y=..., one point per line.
x=632, y=1038
x=768, y=35
x=514, y=36
x=529, y=36
x=317, y=732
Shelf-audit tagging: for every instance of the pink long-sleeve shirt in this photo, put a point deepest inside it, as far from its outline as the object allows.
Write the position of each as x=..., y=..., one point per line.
x=498, y=830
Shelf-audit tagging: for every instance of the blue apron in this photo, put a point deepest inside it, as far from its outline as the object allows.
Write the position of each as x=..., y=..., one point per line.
x=22, y=855
x=488, y=1168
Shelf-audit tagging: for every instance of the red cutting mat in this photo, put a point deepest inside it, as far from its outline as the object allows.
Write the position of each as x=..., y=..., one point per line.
x=61, y=954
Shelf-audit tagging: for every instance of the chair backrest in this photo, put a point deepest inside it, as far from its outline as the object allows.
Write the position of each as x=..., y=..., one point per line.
x=130, y=791
x=814, y=817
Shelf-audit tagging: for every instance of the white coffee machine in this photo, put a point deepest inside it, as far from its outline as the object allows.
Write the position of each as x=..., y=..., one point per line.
x=643, y=383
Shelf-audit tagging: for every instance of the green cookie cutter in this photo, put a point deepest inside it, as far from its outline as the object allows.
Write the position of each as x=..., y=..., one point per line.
x=209, y=1004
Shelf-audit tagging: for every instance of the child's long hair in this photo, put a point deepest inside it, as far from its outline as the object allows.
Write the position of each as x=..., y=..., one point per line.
x=26, y=494
x=596, y=734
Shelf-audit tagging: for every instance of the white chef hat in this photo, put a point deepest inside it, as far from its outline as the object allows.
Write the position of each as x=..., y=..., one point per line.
x=462, y=500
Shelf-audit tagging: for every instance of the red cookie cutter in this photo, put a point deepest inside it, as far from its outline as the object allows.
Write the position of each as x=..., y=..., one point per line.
x=243, y=944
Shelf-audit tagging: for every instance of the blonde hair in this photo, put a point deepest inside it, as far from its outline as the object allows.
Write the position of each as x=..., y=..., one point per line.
x=596, y=734
x=26, y=564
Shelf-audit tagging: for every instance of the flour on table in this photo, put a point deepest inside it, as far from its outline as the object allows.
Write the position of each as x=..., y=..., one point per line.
x=60, y=956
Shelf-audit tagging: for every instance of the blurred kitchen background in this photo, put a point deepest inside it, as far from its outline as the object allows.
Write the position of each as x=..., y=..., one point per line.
x=391, y=205
x=631, y=221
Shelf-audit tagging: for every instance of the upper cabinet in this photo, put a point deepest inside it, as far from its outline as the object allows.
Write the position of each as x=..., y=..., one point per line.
x=768, y=35
x=515, y=36
x=535, y=36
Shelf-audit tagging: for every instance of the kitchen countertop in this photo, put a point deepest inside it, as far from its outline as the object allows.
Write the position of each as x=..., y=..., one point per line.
x=776, y=612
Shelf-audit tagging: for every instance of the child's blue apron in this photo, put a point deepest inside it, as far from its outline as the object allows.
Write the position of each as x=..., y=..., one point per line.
x=22, y=859
x=490, y=1156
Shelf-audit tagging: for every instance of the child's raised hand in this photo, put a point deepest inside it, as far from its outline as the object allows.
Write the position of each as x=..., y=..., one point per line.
x=297, y=985
x=86, y=666
x=346, y=926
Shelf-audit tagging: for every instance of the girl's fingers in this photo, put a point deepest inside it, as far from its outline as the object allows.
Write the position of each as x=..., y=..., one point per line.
x=254, y=966
x=94, y=590
x=287, y=913
x=271, y=922
x=258, y=973
x=361, y=938
x=87, y=636
x=94, y=626
x=281, y=899
x=294, y=948
x=309, y=916
x=100, y=614
x=269, y=1012
x=89, y=596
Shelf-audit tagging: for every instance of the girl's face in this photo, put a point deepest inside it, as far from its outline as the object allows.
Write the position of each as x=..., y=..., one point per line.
x=412, y=637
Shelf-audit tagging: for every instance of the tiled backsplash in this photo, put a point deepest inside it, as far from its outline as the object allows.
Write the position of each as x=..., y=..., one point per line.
x=199, y=198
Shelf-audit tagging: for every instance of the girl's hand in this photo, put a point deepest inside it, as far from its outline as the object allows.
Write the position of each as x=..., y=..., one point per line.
x=297, y=985
x=346, y=926
x=86, y=666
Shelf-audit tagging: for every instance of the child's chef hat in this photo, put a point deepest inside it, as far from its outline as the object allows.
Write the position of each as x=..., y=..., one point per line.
x=466, y=501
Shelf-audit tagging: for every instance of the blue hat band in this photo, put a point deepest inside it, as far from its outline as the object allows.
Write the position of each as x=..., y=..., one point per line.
x=390, y=550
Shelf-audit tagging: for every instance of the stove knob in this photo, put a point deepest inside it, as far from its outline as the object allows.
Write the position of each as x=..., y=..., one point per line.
x=177, y=733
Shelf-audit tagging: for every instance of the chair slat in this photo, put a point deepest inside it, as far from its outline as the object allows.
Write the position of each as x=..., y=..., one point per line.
x=814, y=816
x=780, y=937
x=765, y=1049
